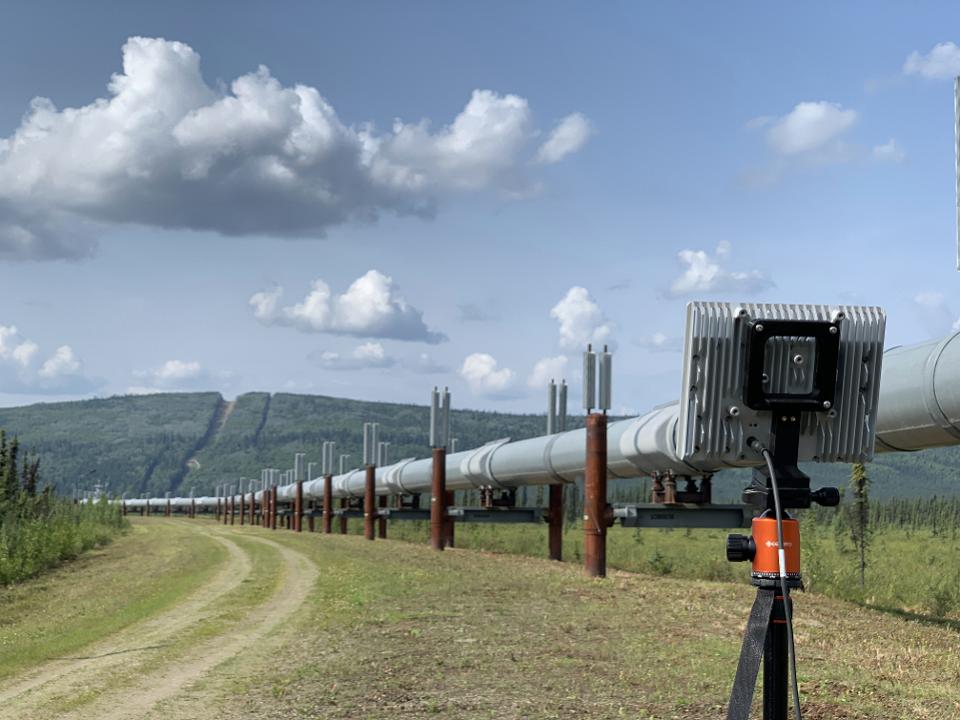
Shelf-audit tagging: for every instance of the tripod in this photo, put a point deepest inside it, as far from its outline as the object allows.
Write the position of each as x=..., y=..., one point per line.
x=766, y=634
x=774, y=549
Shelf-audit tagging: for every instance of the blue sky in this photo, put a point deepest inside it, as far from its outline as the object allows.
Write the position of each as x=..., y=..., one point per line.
x=613, y=165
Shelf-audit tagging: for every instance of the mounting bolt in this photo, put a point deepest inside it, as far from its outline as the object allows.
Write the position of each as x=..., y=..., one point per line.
x=834, y=329
x=758, y=327
x=827, y=404
x=734, y=410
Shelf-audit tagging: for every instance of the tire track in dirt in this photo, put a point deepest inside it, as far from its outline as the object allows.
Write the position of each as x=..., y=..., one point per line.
x=137, y=700
x=122, y=647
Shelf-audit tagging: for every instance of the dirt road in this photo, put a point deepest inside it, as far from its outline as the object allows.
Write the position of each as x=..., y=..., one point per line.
x=127, y=674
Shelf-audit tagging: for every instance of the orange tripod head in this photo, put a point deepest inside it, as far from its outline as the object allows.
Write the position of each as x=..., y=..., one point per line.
x=761, y=548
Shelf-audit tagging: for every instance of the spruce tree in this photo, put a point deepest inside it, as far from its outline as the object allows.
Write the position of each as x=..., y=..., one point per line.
x=11, y=483
x=859, y=515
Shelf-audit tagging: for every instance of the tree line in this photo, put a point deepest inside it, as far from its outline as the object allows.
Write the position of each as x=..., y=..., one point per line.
x=38, y=529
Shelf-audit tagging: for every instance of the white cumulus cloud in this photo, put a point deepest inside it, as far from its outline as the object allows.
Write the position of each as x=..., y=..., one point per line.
x=425, y=364
x=166, y=149
x=367, y=355
x=581, y=320
x=570, y=135
x=659, y=342
x=371, y=307
x=943, y=61
x=705, y=273
x=547, y=369
x=175, y=375
x=810, y=126
x=62, y=363
x=485, y=378
x=21, y=370
x=889, y=151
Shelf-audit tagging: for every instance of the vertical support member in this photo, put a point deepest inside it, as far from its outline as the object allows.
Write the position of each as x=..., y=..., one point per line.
x=597, y=514
x=556, y=422
x=299, y=469
x=327, y=471
x=313, y=503
x=370, y=479
x=382, y=500
x=344, y=503
x=439, y=429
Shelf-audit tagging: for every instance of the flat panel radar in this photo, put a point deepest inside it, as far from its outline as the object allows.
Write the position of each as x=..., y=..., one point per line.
x=747, y=365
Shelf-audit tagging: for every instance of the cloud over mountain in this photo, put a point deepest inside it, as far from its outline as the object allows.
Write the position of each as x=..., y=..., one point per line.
x=371, y=307
x=23, y=371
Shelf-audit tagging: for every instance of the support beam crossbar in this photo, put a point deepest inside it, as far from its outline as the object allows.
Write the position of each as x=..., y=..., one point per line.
x=656, y=515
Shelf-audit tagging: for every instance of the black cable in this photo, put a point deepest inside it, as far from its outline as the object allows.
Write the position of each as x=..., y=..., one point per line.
x=783, y=582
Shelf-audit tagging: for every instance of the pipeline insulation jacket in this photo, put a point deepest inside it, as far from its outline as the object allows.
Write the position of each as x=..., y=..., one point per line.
x=919, y=408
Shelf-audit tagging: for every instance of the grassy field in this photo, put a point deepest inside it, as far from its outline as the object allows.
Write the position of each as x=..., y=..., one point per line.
x=235, y=622
x=905, y=570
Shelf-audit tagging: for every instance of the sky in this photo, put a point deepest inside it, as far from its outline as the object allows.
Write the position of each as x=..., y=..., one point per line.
x=369, y=199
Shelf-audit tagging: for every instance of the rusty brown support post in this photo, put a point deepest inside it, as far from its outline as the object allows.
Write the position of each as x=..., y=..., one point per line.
x=147, y=506
x=438, y=498
x=343, y=518
x=555, y=522
x=273, y=507
x=193, y=508
x=328, y=504
x=310, y=524
x=169, y=509
x=218, y=509
x=243, y=508
x=370, y=502
x=233, y=508
x=596, y=512
x=382, y=521
x=123, y=507
x=298, y=508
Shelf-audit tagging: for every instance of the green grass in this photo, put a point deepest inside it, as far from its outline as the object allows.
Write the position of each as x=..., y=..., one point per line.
x=393, y=629
x=396, y=630
x=913, y=571
x=103, y=591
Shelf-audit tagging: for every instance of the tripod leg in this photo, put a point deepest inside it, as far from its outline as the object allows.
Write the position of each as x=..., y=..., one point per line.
x=741, y=696
x=775, y=665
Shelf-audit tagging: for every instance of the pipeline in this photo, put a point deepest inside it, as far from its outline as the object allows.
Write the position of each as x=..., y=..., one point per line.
x=919, y=408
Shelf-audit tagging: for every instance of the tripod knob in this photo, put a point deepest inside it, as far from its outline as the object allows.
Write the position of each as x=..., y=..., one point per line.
x=828, y=497
x=740, y=548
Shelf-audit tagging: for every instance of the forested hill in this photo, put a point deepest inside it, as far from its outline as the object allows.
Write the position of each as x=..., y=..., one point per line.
x=156, y=443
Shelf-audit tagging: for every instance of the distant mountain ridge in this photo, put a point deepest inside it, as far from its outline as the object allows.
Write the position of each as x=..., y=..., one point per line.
x=174, y=441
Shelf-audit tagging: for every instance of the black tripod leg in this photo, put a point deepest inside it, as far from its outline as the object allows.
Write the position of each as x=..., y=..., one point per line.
x=775, y=665
x=754, y=639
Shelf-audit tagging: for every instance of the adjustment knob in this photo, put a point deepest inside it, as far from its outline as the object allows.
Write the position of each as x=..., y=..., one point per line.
x=828, y=497
x=740, y=548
